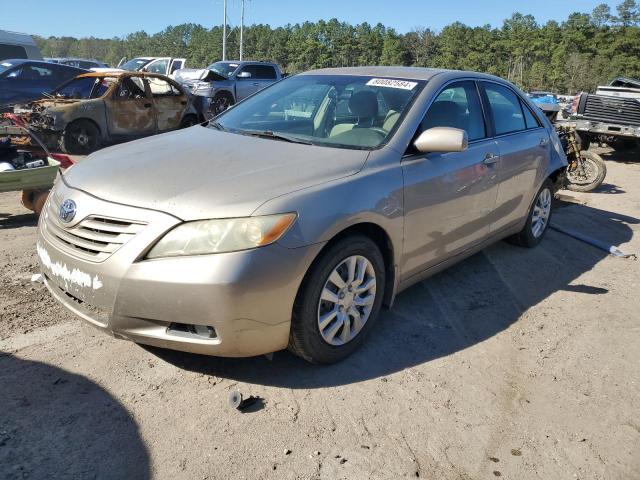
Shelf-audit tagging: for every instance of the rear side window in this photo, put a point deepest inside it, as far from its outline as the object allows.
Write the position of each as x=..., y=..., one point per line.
x=265, y=72
x=12, y=51
x=529, y=118
x=505, y=109
x=457, y=106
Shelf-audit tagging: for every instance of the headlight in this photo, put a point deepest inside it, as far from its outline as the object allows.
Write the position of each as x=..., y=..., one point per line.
x=223, y=235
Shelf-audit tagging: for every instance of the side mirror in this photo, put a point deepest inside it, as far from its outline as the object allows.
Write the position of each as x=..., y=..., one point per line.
x=442, y=139
x=244, y=75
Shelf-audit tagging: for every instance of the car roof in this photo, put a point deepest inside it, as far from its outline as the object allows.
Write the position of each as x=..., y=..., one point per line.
x=410, y=73
x=122, y=73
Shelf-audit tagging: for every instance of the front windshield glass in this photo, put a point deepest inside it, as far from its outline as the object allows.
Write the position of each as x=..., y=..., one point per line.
x=332, y=110
x=135, y=64
x=224, y=69
x=84, y=88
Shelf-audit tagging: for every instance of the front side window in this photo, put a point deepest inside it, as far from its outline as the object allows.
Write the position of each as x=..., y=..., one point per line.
x=131, y=89
x=342, y=111
x=505, y=109
x=457, y=106
x=159, y=66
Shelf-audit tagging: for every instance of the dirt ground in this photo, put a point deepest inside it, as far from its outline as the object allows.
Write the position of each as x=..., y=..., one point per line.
x=519, y=364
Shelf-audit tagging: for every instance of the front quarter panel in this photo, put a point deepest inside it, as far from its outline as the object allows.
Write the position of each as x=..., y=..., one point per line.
x=373, y=195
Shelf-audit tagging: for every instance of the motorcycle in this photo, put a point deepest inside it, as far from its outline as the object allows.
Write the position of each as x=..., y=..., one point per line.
x=586, y=170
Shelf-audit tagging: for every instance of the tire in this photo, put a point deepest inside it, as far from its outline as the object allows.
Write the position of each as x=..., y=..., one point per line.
x=80, y=137
x=306, y=338
x=596, y=171
x=189, y=121
x=220, y=102
x=530, y=236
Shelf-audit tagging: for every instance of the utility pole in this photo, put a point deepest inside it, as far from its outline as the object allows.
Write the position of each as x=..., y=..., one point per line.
x=241, y=28
x=224, y=33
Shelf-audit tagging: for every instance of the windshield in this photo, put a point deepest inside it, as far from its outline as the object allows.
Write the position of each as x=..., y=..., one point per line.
x=84, y=88
x=135, y=64
x=224, y=69
x=332, y=110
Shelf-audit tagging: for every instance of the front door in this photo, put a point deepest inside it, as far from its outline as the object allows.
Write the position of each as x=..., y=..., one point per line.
x=246, y=86
x=449, y=197
x=130, y=110
x=170, y=103
x=524, y=148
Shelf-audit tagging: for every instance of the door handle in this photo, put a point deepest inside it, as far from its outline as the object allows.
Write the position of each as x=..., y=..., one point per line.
x=256, y=84
x=490, y=158
x=544, y=142
x=147, y=105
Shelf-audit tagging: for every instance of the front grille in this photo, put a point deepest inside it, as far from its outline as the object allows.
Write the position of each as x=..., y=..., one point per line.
x=625, y=111
x=95, y=238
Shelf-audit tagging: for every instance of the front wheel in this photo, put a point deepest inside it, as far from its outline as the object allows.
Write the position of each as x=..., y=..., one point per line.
x=537, y=220
x=219, y=103
x=339, y=301
x=80, y=137
x=589, y=173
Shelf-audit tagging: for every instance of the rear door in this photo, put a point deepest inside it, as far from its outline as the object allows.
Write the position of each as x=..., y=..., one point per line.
x=130, y=111
x=449, y=197
x=524, y=149
x=170, y=103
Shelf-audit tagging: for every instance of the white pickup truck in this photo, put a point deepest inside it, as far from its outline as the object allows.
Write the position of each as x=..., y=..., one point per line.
x=222, y=84
x=163, y=65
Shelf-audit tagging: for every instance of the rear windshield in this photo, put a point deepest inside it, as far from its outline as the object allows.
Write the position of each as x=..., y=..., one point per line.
x=344, y=111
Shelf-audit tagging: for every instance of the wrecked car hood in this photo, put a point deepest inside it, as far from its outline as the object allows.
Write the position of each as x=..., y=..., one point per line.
x=200, y=173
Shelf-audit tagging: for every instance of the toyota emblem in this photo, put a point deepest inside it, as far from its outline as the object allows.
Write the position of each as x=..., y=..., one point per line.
x=67, y=210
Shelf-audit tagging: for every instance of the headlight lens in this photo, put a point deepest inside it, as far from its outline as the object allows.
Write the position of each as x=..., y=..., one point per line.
x=223, y=235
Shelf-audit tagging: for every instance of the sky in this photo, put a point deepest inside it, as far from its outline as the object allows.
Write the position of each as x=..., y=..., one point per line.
x=83, y=18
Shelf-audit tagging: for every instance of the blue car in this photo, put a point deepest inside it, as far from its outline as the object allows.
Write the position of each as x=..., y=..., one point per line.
x=25, y=80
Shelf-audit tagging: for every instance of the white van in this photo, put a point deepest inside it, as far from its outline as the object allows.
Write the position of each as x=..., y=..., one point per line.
x=18, y=45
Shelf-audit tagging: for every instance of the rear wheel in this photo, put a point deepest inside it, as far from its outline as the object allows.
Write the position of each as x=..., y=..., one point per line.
x=588, y=175
x=339, y=301
x=537, y=220
x=81, y=137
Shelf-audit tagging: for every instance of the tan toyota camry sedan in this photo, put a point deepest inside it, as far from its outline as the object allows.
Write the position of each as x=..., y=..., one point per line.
x=293, y=217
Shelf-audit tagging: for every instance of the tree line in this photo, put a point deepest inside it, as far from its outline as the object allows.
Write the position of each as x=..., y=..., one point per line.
x=585, y=50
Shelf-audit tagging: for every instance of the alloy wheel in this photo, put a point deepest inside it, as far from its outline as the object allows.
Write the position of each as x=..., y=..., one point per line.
x=541, y=213
x=346, y=300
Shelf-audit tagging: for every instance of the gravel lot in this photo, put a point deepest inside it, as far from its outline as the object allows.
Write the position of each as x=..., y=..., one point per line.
x=516, y=364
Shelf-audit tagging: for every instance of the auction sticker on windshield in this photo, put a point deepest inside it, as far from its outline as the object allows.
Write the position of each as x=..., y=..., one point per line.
x=388, y=82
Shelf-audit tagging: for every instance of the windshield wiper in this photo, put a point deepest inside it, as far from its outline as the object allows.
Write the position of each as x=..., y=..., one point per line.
x=217, y=126
x=277, y=136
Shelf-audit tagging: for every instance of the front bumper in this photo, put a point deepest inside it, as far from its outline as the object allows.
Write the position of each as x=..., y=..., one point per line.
x=247, y=297
x=604, y=128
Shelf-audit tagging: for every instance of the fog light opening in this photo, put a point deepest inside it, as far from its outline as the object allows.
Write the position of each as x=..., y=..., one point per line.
x=189, y=330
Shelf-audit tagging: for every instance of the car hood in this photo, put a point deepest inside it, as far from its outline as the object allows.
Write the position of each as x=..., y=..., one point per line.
x=199, y=172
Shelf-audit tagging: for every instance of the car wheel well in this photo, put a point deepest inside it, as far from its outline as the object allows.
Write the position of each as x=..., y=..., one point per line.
x=557, y=178
x=79, y=120
x=382, y=240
